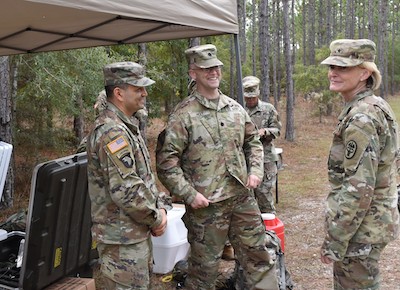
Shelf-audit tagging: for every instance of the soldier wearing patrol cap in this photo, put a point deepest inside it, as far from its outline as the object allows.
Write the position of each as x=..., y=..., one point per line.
x=361, y=215
x=212, y=158
x=266, y=118
x=126, y=206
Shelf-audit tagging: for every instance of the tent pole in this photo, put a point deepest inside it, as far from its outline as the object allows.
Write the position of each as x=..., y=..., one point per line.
x=238, y=70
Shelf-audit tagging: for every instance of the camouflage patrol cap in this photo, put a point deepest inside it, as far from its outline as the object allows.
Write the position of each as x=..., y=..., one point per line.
x=251, y=86
x=204, y=56
x=126, y=73
x=351, y=52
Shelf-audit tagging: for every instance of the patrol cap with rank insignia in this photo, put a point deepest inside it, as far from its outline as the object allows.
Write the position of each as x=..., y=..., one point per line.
x=126, y=73
x=350, y=52
x=251, y=86
x=203, y=56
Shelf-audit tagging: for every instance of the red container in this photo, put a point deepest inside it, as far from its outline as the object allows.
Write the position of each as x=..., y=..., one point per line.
x=273, y=223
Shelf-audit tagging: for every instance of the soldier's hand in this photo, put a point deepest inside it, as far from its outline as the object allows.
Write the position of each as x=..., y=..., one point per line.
x=199, y=201
x=159, y=230
x=253, y=181
x=263, y=132
x=326, y=259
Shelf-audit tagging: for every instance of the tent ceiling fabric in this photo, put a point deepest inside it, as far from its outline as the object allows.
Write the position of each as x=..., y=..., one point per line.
x=44, y=25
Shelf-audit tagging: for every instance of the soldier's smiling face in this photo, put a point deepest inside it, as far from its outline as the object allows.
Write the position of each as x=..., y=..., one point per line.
x=134, y=99
x=208, y=78
x=347, y=80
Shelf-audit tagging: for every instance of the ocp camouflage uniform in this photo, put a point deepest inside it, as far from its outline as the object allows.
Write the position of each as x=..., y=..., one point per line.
x=362, y=215
x=265, y=116
x=211, y=148
x=125, y=203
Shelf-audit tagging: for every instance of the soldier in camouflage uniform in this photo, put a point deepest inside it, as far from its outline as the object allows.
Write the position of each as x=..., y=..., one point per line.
x=266, y=118
x=212, y=158
x=126, y=206
x=362, y=215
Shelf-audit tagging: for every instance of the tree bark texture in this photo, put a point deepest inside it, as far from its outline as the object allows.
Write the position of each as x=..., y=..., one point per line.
x=264, y=50
x=290, y=134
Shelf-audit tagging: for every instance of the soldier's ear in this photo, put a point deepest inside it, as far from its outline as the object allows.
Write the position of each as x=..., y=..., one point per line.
x=365, y=74
x=192, y=74
x=118, y=94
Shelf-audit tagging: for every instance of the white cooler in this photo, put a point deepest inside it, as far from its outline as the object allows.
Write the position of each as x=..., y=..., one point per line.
x=172, y=246
x=5, y=157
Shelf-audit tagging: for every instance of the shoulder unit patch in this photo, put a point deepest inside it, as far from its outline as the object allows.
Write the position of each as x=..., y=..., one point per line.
x=351, y=149
x=126, y=159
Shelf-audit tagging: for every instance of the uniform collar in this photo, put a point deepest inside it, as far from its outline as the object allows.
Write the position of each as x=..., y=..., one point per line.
x=124, y=118
x=223, y=101
x=356, y=98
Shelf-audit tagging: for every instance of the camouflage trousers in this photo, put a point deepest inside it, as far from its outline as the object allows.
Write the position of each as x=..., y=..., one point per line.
x=359, y=268
x=263, y=193
x=125, y=267
x=237, y=218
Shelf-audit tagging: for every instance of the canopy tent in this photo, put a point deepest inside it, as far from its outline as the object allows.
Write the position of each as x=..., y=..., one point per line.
x=28, y=26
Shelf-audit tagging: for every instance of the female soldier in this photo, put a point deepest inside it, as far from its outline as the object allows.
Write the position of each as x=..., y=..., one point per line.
x=361, y=214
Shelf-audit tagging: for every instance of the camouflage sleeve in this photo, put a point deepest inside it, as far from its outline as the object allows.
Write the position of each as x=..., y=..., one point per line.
x=360, y=165
x=82, y=145
x=164, y=201
x=398, y=162
x=253, y=149
x=127, y=190
x=171, y=146
x=142, y=116
x=273, y=123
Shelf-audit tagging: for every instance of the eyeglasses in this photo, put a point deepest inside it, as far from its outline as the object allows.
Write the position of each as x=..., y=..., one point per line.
x=209, y=69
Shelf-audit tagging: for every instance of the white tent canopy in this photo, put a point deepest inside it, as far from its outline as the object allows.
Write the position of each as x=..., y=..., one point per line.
x=44, y=25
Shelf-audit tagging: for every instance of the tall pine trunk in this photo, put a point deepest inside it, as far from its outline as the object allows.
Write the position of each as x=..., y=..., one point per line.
x=290, y=134
x=264, y=50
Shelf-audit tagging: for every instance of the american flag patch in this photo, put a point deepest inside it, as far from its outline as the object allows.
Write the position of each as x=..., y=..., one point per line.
x=117, y=144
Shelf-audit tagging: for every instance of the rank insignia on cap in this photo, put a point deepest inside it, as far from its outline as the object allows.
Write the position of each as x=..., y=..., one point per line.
x=126, y=159
x=351, y=148
x=117, y=144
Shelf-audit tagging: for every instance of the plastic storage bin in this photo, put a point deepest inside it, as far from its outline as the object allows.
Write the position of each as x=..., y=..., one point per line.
x=273, y=223
x=3, y=234
x=172, y=246
x=5, y=157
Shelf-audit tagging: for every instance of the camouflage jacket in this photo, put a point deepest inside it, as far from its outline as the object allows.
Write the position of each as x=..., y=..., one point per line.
x=125, y=202
x=362, y=204
x=265, y=116
x=209, y=148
